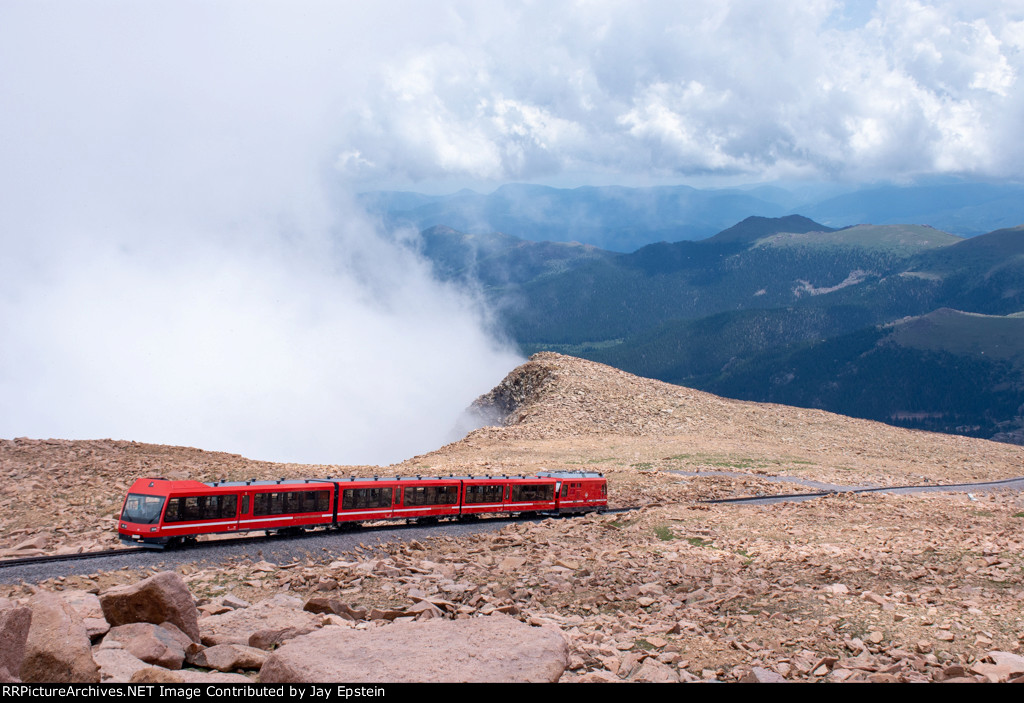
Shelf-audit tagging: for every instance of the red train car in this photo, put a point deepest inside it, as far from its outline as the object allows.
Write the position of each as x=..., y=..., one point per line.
x=580, y=491
x=158, y=512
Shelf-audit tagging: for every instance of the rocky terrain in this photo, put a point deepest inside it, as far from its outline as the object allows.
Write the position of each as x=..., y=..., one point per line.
x=876, y=587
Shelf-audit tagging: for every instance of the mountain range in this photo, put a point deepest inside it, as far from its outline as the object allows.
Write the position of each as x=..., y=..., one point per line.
x=906, y=324
x=624, y=219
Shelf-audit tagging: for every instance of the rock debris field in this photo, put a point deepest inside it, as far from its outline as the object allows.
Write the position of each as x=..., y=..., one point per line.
x=843, y=588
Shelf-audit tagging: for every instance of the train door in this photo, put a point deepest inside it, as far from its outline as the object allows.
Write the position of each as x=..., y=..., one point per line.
x=575, y=494
x=244, y=508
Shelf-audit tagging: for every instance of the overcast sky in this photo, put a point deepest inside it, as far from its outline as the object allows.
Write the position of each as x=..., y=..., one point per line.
x=681, y=91
x=182, y=262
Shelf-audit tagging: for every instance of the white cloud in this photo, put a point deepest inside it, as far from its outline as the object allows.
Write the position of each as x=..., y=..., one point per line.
x=177, y=270
x=852, y=90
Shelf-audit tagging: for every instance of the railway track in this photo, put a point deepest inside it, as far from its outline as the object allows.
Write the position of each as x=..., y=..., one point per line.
x=258, y=540
x=80, y=556
x=1015, y=483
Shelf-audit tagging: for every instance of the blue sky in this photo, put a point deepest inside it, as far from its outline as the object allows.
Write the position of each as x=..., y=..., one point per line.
x=183, y=262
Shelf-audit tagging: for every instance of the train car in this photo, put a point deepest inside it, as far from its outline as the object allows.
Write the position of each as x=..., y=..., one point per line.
x=417, y=499
x=531, y=494
x=580, y=492
x=158, y=512
x=485, y=494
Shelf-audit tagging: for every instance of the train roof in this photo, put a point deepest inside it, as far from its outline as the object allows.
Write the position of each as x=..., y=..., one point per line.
x=570, y=474
x=363, y=479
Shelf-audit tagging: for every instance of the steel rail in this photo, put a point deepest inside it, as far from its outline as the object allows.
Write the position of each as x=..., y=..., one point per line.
x=259, y=539
x=876, y=489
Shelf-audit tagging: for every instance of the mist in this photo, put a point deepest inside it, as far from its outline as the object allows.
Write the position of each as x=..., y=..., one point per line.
x=183, y=265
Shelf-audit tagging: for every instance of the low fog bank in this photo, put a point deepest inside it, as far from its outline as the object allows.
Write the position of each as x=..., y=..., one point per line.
x=347, y=353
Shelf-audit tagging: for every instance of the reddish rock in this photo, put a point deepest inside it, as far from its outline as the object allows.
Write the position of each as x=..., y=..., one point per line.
x=58, y=649
x=334, y=605
x=262, y=625
x=382, y=614
x=598, y=677
x=163, y=597
x=228, y=657
x=154, y=674
x=87, y=605
x=151, y=643
x=653, y=671
x=492, y=649
x=1005, y=666
x=425, y=610
x=38, y=542
x=117, y=665
x=234, y=602
x=15, y=622
x=201, y=677
x=761, y=675
x=1012, y=662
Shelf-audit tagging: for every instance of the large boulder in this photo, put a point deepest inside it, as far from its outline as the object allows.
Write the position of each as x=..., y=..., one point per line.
x=15, y=621
x=117, y=665
x=493, y=649
x=263, y=625
x=153, y=644
x=229, y=657
x=87, y=605
x=58, y=649
x=157, y=675
x=163, y=597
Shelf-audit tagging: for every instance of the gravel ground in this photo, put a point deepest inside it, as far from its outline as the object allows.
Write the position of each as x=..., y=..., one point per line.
x=321, y=545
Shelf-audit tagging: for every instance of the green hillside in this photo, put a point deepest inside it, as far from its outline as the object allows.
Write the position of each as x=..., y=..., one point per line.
x=898, y=240
x=947, y=371
x=964, y=334
x=899, y=323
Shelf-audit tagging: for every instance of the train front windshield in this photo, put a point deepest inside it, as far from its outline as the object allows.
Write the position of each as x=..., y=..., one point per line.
x=142, y=509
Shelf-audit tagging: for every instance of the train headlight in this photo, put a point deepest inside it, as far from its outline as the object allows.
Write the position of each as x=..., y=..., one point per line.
x=152, y=529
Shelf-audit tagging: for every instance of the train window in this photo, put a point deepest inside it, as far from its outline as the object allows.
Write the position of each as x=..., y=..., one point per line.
x=289, y=502
x=228, y=506
x=264, y=503
x=245, y=505
x=484, y=494
x=183, y=509
x=565, y=489
x=416, y=495
x=142, y=509
x=365, y=498
x=431, y=495
x=533, y=492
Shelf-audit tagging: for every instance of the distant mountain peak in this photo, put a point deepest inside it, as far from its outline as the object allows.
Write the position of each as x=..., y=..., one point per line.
x=755, y=227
